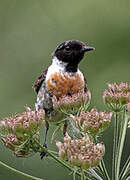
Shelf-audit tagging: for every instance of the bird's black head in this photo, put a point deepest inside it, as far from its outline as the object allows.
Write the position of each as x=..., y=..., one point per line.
x=71, y=52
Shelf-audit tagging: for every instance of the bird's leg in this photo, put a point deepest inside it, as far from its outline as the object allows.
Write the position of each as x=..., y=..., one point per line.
x=45, y=139
x=64, y=132
x=65, y=128
x=42, y=154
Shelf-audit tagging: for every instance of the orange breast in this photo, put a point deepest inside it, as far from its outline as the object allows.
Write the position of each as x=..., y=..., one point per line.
x=64, y=84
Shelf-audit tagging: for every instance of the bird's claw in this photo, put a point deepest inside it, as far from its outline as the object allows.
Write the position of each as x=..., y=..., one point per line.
x=43, y=153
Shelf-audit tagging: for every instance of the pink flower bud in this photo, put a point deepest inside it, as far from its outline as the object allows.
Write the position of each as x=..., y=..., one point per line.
x=67, y=138
x=101, y=148
x=59, y=144
x=129, y=124
x=86, y=164
x=95, y=161
x=128, y=110
x=62, y=154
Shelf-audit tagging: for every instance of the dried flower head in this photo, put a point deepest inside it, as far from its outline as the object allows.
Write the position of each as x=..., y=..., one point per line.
x=92, y=122
x=73, y=102
x=17, y=130
x=81, y=152
x=117, y=96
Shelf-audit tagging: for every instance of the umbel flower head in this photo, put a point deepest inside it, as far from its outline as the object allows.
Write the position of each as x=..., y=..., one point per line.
x=117, y=96
x=92, y=122
x=18, y=132
x=72, y=103
x=81, y=152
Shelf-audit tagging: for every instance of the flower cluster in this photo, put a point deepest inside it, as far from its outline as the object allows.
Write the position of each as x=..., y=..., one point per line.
x=81, y=152
x=73, y=102
x=19, y=131
x=92, y=122
x=117, y=96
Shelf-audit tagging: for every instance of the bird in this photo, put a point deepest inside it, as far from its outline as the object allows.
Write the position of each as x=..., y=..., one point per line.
x=61, y=78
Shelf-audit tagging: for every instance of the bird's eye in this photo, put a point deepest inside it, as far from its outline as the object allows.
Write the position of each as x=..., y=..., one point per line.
x=67, y=49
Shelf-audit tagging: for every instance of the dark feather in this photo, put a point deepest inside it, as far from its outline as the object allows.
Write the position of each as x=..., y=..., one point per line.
x=39, y=81
x=85, y=87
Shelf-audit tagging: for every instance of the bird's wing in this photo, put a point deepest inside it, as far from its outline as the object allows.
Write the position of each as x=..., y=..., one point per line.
x=44, y=97
x=37, y=84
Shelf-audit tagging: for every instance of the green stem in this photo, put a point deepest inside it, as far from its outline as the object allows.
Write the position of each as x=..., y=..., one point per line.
x=82, y=174
x=104, y=171
x=87, y=178
x=121, y=145
x=125, y=168
x=95, y=175
x=54, y=152
x=100, y=170
x=74, y=173
x=126, y=175
x=19, y=172
x=115, y=147
x=94, y=138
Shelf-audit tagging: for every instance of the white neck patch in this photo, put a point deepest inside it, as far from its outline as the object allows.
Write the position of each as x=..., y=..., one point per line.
x=57, y=62
x=56, y=66
x=59, y=66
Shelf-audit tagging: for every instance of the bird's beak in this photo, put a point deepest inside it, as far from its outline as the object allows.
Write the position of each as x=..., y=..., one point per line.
x=88, y=48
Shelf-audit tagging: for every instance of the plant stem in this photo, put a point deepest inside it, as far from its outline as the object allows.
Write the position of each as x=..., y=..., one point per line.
x=54, y=152
x=125, y=168
x=104, y=171
x=82, y=174
x=100, y=171
x=19, y=172
x=115, y=147
x=121, y=145
x=126, y=175
x=94, y=174
x=74, y=175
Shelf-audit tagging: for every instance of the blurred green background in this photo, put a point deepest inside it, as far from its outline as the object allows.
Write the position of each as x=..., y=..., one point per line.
x=29, y=32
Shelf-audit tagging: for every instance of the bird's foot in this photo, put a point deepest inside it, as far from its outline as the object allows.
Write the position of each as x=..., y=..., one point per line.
x=43, y=153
